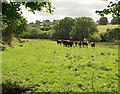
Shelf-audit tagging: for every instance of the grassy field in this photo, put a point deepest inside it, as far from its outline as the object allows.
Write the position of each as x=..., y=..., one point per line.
x=44, y=66
x=103, y=28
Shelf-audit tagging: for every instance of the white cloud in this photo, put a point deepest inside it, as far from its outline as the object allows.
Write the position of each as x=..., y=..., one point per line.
x=71, y=8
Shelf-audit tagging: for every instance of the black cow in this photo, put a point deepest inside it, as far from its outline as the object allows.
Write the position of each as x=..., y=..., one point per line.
x=70, y=43
x=80, y=43
x=65, y=42
x=85, y=43
x=76, y=43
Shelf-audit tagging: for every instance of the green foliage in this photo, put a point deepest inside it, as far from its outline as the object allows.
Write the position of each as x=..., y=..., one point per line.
x=103, y=21
x=84, y=28
x=110, y=35
x=95, y=37
x=39, y=6
x=75, y=29
x=46, y=26
x=37, y=22
x=10, y=16
x=112, y=8
x=45, y=66
x=22, y=27
x=64, y=28
x=34, y=32
x=115, y=20
x=12, y=20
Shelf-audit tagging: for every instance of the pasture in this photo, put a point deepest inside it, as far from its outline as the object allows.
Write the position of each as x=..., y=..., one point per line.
x=103, y=28
x=44, y=66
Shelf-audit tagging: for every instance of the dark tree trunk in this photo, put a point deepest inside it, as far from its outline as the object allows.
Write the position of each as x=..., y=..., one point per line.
x=7, y=35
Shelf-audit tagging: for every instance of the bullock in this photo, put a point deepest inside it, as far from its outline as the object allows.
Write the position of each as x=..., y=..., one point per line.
x=70, y=43
x=67, y=43
x=92, y=44
x=59, y=41
x=80, y=43
x=76, y=43
x=85, y=43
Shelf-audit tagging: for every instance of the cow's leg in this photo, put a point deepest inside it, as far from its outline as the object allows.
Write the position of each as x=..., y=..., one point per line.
x=80, y=46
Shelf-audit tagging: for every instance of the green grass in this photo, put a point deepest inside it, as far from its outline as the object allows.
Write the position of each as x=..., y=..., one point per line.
x=42, y=66
x=103, y=28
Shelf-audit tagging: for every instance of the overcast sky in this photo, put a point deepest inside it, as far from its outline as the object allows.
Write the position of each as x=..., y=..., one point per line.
x=69, y=8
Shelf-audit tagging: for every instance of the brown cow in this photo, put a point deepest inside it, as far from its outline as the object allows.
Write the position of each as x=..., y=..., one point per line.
x=92, y=44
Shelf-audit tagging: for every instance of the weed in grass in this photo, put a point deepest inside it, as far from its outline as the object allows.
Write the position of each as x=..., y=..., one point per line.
x=102, y=53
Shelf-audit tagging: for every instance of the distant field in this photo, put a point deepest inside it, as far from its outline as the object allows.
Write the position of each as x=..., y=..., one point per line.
x=44, y=66
x=103, y=28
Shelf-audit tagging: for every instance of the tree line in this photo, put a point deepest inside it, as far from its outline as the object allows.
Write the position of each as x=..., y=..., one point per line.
x=104, y=21
x=69, y=29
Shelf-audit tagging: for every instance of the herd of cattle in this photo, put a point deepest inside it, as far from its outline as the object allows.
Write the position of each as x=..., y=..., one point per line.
x=70, y=43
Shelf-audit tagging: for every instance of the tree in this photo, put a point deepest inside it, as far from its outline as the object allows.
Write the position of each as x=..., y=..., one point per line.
x=46, y=25
x=11, y=15
x=47, y=21
x=64, y=28
x=103, y=21
x=115, y=20
x=84, y=28
x=37, y=22
x=112, y=8
x=111, y=35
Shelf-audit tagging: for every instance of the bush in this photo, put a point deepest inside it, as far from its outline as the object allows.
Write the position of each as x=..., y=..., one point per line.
x=110, y=35
x=34, y=33
x=103, y=37
x=2, y=46
x=43, y=35
x=96, y=37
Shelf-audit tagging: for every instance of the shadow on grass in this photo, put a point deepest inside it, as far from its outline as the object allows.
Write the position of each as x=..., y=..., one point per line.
x=9, y=88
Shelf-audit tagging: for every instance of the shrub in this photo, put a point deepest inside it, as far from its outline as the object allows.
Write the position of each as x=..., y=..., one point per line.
x=43, y=35
x=110, y=35
x=2, y=46
x=96, y=37
x=103, y=37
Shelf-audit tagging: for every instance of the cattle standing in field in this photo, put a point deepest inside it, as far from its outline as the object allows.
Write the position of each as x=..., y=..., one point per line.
x=59, y=41
x=68, y=43
x=76, y=43
x=80, y=43
x=85, y=43
x=65, y=42
x=92, y=44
